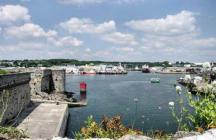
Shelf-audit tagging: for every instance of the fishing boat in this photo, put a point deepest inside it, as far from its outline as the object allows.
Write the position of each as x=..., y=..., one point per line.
x=155, y=80
x=145, y=69
x=68, y=70
x=90, y=72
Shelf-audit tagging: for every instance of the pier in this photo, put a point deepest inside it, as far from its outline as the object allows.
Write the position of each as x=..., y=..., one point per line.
x=44, y=120
x=38, y=102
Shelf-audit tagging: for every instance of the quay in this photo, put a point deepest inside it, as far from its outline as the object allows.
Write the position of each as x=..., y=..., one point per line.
x=70, y=104
x=161, y=72
x=38, y=102
x=44, y=120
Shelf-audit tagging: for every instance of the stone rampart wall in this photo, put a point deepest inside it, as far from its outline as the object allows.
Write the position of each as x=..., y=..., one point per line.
x=58, y=77
x=47, y=81
x=14, y=88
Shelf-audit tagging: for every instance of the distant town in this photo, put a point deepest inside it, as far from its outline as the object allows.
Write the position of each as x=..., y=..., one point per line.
x=69, y=62
x=73, y=66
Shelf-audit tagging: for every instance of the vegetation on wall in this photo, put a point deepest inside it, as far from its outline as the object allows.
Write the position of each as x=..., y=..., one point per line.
x=8, y=131
x=3, y=72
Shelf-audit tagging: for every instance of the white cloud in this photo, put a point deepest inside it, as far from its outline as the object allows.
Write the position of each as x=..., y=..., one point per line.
x=85, y=25
x=66, y=41
x=13, y=13
x=180, y=23
x=120, y=38
x=31, y=45
x=87, y=49
x=0, y=29
x=29, y=30
x=25, y=0
x=125, y=49
x=81, y=2
x=118, y=54
x=205, y=43
x=126, y=1
x=178, y=46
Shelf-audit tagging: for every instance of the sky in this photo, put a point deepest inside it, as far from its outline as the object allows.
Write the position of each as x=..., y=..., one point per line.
x=109, y=30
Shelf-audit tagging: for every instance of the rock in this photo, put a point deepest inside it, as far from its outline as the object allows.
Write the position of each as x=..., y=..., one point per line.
x=207, y=135
x=135, y=137
x=4, y=138
x=159, y=133
x=181, y=134
x=60, y=138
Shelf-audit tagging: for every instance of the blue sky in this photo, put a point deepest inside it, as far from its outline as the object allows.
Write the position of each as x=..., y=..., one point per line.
x=109, y=30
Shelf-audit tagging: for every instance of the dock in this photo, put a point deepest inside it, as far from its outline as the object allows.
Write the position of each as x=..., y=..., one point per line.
x=70, y=104
x=44, y=120
x=162, y=72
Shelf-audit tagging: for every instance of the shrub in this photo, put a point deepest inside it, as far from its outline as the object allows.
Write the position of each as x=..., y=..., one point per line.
x=112, y=128
x=3, y=72
x=11, y=132
x=204, y=106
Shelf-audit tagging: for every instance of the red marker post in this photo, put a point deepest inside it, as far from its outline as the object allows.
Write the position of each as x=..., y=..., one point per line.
x=83, y=87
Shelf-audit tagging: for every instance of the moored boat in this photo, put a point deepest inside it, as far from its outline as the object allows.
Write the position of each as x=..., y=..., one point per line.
x=90, y=72
x=145, y=69
x=155, y=80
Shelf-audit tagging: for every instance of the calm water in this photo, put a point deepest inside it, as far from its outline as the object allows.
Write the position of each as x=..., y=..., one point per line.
x=114, y=94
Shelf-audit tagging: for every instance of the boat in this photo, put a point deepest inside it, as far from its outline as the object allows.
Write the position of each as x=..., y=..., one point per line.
x=71, y=70
x=68, y=70
x=155, y=80
x=136, y=68
x=145, y=69
x=90, y=72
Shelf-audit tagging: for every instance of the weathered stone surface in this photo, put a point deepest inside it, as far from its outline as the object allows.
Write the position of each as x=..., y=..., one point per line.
x=47, y=81
x=41, y=81
x=17, y=85
x=207, y=135
x=58, y=77
x=181, y=134
x=43, y=120
x=134, y=137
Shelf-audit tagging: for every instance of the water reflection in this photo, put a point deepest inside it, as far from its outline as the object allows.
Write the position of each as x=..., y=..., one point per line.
x=83, y=96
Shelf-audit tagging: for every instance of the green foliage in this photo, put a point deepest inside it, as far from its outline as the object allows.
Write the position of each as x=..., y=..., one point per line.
x=204, y=111
x=64, y=62
x=12, y=132
x=5, y=98
x=6, y=64
x=106, y=129
x=204, y=115
x=3, y=71
x=160, y=135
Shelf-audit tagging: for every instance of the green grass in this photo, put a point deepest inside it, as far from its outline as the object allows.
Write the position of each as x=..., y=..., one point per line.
x=12, y=132
x=3, y=72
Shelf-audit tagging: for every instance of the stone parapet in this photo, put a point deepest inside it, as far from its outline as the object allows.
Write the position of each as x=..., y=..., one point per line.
x=14, y=88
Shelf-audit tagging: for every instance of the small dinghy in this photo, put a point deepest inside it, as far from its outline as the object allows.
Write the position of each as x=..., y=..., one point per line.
x=155, y=80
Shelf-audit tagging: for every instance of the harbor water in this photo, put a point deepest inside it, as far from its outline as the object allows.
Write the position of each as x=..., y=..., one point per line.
x=114, y=94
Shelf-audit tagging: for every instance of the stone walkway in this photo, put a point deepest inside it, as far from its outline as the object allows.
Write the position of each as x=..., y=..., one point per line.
x=44, y=120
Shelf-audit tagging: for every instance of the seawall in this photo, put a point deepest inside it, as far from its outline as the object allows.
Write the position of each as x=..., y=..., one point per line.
x=14, y=88
x=42, y=120
x=47, y=81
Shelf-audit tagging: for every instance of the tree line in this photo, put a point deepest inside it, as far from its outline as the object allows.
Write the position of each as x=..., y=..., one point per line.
x=66, y=62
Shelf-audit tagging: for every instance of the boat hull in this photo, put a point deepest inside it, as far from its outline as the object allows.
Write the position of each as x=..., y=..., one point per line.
x=89, y=73
x=145, y=70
